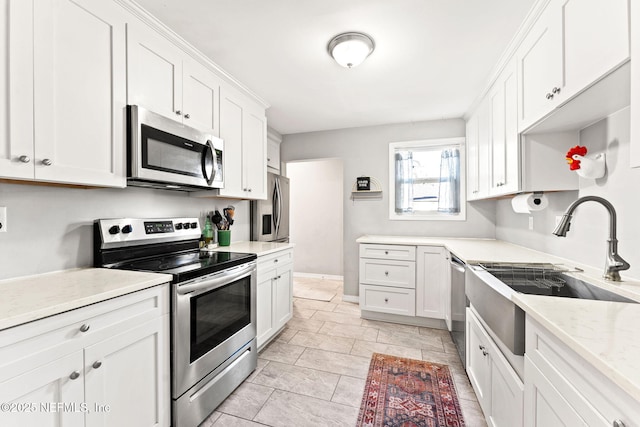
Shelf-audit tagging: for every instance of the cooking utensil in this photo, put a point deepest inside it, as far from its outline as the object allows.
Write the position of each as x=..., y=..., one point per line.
x=228, y=214
x=218, y=220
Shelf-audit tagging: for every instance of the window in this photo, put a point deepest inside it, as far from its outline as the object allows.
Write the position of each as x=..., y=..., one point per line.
x=426, y=180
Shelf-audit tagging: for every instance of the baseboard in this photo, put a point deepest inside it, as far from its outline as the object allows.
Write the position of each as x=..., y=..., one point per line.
x=404, y=320
x=318, y=276
x=351, y=298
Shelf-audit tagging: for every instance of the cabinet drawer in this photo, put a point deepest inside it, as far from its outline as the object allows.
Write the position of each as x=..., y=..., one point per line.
x=388, y=300
x=400, y=274
x=398, y=252
x=275, y=259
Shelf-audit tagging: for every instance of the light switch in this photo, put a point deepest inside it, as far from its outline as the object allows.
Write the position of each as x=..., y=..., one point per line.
x=530, y=223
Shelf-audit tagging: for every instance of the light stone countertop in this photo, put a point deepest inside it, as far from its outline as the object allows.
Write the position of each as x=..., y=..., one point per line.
x=258, y=248
x=25, y=299
x=602, y=332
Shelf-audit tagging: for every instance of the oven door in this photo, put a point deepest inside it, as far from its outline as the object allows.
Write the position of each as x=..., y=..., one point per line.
x=213, y=317
x=165, y=151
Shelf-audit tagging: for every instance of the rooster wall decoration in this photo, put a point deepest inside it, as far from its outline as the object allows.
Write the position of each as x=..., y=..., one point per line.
x=592, y=167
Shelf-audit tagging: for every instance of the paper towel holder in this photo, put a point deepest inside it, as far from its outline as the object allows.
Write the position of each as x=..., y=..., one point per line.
x=537, y=201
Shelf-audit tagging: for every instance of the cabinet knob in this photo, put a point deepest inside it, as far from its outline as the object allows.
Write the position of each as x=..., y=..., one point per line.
x=549, y=96
x=96, y=364
x=24, y=159
x=555, y=90
x=244, y=189
x=485, y=352
x=386, y=273
x=84, y=328
x=249, y=190
x=178, y=112
x=268, y=159
x=386, y=252
x=186, y=116
x=386, y=300
x=47, y=162
x=74, y=375
x=275, y=260
x=618, y=423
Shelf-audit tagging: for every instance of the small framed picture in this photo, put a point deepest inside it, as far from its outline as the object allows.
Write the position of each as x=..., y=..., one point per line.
x=363, y=183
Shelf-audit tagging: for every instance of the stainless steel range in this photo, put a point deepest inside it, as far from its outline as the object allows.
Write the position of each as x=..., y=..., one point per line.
x=213, y=306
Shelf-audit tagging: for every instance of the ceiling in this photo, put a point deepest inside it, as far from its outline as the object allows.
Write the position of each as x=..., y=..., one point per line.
x=432, y=57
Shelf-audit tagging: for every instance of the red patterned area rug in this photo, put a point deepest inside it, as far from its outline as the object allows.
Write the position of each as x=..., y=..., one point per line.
x=409, y=393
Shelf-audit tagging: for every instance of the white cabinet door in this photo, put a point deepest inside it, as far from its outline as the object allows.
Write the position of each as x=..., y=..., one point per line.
x=42, y=389
x=478, y=362
x=595, y=40
x=154, y=71
x=544, y=405
x=283, y=296
x=254, y=152
x=484, y=148
x=127, y=373
x=265, y=318
x=79, y=92
x=635, y=84
x=201, y=97
x=473, y=158
x=432, y=285
x=231, y=116
x=16, y=89
x=505, y=165
x=273, y=155
x=540, y=68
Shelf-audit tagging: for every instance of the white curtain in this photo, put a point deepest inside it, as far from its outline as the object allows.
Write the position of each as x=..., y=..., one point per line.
x=449, y=189
x=404, y=181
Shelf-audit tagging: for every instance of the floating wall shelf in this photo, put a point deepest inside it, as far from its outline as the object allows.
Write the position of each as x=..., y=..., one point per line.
x=374, y=193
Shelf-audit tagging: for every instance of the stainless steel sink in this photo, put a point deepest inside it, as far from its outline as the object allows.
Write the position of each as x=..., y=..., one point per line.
x=490, y=289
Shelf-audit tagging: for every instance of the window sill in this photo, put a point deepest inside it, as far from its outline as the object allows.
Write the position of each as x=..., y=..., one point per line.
x=426, y=217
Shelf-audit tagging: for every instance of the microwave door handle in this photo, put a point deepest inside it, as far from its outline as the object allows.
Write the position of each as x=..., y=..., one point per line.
x=208, y=152
x=218, y=280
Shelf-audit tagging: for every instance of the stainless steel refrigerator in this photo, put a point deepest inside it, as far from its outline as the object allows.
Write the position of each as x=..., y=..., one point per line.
x=270, y=218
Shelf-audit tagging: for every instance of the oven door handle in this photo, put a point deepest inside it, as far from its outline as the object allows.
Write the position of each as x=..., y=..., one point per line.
x=218, y=280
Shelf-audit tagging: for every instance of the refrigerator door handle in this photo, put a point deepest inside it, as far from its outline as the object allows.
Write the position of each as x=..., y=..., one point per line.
x=279, y=202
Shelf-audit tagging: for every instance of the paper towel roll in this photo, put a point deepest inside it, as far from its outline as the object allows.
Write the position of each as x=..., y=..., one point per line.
x=529, y=202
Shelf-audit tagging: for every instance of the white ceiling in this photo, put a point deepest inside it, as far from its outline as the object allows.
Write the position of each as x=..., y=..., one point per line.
x=432, y=57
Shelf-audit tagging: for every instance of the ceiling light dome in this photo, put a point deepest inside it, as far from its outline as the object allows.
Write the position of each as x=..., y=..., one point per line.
x=350, y=49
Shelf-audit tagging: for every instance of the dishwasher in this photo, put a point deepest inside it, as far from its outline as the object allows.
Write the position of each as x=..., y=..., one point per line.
x=459, y=303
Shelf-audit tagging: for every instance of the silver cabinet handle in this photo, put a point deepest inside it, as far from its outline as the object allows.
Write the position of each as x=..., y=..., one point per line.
x=96, y=364
x=386, y=252
x=386, y=300
x=485, y=352
x=24, y=159
x=47, y=162
x=481, y=347
x=186, y=116
x=275, y=260
x=249, y=190
x=268, y=159
x=618, y=423
x=178, y=112
x=386, y=273
x=244, y=189
x=74, y=375
x=84, y=328
x=549, y=96
x=555, y=90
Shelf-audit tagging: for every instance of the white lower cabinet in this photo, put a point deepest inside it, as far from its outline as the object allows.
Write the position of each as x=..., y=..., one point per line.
x=274, y=294
x=563, y=389
x=498, y=388
x=102, y=365
x=432, y=281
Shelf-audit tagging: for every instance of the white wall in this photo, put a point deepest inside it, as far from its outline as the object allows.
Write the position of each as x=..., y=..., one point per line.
x=51, y=228
x=316, y=210
x=586, y=242
x=364, y=151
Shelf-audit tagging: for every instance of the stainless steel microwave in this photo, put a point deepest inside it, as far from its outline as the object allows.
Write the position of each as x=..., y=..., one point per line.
x=163, y=153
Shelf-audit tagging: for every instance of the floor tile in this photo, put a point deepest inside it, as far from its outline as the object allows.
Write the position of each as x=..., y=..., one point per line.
x=231, y=421
x=309, y=382
x=286, y=335
x=312, y=325
x=463, y=386
x=393, y=327
x=348, y=319
x=453, y=360
x=281, y=352
x=246, y=400
x=314, y=305
x=211, y=419
x=410, y=340
x=349, y=331
x=328, y=361
x=349, y=391
x=284, y=409
x=261, y=364
x=348, y=308
x=473, y=416
x=366, y=349
x=323, y=342
x=303, y=313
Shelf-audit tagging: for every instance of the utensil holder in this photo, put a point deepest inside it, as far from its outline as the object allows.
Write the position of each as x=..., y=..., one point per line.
x=224, y=237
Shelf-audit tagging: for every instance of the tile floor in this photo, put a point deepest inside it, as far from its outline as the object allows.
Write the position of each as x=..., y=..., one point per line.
x=313, y=373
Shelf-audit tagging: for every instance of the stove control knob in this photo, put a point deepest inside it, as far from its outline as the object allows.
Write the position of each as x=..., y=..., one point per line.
x=127, y=229
x=115, y=229
x=179, y=226
x=186, y=225
x=194, y=225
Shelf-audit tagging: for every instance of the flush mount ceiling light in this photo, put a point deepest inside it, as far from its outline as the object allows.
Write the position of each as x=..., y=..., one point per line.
x=350, y=49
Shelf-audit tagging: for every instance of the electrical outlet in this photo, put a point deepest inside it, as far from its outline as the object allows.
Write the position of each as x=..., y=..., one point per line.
x=558, y=219
x=3, y=219
x=530, y=223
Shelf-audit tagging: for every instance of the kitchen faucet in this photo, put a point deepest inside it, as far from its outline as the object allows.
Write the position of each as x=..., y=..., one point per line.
x=614, y=262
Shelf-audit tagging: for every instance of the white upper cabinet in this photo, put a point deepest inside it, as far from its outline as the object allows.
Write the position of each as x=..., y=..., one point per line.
x=572, y=45
x=79, y=92
x=16, y=89
x=64, y=74
x=635, y=84
x=200, y=97
x=505, y=157
x=243, y=127
x=478, y=141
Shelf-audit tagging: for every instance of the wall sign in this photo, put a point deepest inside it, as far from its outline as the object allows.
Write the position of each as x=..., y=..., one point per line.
x=363, y=183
